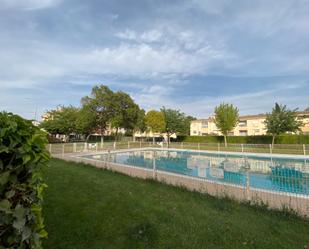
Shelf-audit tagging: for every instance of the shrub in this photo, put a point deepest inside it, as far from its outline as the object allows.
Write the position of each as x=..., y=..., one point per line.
x=263, y=139
x=22, y=154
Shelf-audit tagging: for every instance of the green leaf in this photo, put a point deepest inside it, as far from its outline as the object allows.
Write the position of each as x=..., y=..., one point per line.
x=5, y=206
x=19, y=212
x=10, y=194
x=43, y=233
x=26, y=233
x=26, y=158
x=4, y=178
x=19, y=224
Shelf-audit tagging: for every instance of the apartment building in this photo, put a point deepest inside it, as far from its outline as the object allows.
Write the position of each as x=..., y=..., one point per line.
x=249, y=125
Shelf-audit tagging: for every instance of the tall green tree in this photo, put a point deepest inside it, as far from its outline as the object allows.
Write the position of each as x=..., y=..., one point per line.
x=155, y=121
x=176, y=122
x=282, y=120
x=125, y=112
x=101, y=103
x=140, y=124
x=226, y=119
x=86, y=121
x=61, y=120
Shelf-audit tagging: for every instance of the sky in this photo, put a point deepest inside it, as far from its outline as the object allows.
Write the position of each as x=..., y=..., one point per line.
x=187, y=55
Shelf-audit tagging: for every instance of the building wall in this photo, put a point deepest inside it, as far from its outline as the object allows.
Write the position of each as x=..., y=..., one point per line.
x=248, y=126
x=305, y=128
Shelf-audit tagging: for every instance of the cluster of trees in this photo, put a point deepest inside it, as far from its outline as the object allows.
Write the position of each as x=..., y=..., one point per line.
x=279, y=121
x=168, y=121
x=103, y=108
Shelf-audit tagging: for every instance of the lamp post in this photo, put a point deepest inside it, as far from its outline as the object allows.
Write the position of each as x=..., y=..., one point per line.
x=35, y=108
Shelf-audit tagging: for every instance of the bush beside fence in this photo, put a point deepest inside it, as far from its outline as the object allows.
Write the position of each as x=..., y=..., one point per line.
x=264, y=139
x=22, y=154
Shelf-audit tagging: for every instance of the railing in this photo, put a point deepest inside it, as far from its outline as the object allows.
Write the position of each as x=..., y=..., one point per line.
x=297, y=149
x=257, y=181
x=81, y=147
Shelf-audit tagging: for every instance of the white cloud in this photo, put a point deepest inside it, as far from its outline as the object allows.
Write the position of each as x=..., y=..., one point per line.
x=127, y=35
x=40, y=62
x=151, y=36
x=28, y=4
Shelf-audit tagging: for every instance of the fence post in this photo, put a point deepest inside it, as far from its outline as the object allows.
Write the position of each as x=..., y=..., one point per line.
x=248, y=185
x=304, y=148
x=247, y=169
x=96, y=147
x=140, y=144
x=154, y=165
x=107, y=158
x=218, y=147
x=242, y=148
x=128, y=144
x=74, y=147
x=62, y=150
x=85, y=146
x=270, y=149
x=114, y=145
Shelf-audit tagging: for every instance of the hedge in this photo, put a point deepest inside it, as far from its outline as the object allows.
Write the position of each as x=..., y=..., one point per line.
x=283, y=139
x=22, y=155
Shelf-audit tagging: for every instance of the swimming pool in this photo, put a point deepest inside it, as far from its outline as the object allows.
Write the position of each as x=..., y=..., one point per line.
x=290, y=175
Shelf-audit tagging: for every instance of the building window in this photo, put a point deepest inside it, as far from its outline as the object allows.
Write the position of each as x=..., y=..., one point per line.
x=243, y=123
x=243, y=133
x=205, y=125
x=194, y=132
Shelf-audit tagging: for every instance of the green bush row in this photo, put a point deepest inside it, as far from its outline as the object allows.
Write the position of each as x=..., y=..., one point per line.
x=22, y=154
x=283, y=139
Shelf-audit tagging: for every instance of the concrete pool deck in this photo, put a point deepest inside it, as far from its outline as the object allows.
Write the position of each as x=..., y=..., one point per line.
x=274, y=199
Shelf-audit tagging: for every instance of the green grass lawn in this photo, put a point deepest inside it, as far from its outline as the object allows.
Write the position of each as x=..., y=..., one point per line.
x=89, y=208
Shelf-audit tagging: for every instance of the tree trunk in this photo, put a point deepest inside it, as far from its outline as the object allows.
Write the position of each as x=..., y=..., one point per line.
x=273, y=142
x=168, y=140
x=225, y=141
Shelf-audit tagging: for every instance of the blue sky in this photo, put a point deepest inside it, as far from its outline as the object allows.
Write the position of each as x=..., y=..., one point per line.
x=189, y=55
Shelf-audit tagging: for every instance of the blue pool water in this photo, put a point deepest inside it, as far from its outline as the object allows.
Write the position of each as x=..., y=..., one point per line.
x=279, y=174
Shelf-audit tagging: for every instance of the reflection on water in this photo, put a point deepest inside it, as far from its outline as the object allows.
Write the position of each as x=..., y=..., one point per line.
x=288, y=175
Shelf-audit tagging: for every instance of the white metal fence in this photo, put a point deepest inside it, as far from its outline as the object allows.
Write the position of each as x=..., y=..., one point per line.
x=259, y=181
x=63, y=148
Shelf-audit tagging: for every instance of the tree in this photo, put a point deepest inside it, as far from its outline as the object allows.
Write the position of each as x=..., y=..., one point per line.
x=176, y=122
x=86, y=121
x=125, y=112
x=281, y=120
x=101, y=103
x=187, y=123
x=61, y=120
x=226, y=119
x=140, y=124
x=155, y=121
